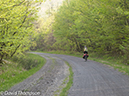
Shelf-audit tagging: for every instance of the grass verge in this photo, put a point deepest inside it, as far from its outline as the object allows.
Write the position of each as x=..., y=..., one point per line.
x=12, y=72
x=70, y=82
x=112, y=61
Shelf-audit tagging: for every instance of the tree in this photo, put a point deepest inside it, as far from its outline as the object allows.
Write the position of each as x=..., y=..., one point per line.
x=102, y=25
x=44, y=39
x=16, y=25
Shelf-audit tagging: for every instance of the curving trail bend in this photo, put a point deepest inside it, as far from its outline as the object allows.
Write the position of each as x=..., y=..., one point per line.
x=90, y=78
x=95, y=79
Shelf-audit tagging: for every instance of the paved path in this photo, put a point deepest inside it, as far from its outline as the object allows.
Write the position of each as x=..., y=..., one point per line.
x=90, y=78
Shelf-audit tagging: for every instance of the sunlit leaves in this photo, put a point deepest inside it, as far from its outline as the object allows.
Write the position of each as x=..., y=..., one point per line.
x=44, y=39
x=16, y=25
x=100, y=24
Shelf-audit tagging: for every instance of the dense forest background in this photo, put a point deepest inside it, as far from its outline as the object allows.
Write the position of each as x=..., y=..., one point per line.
x=101, y=25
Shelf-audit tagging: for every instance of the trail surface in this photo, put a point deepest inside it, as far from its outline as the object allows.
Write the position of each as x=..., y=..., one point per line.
x=95, y=79
x=90, y=78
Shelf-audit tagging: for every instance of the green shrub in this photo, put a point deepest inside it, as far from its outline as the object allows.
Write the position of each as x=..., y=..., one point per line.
x=27, y=61
x=13, y=72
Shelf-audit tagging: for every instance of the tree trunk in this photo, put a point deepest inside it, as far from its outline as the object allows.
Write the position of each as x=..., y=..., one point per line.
x=1, y=58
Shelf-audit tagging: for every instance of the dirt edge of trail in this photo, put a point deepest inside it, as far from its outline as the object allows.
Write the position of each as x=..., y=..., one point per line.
x=48, y=81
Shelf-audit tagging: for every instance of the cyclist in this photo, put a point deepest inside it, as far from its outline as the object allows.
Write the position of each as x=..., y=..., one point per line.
x=85, y=51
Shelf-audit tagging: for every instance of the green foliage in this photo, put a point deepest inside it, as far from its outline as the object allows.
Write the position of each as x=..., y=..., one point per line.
x=44, y=40
x=11, y=73
x=102, y=25
x=26, y=62
x=16, y=17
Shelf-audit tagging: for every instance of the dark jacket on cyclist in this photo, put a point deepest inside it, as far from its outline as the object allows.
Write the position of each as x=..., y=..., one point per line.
x=85, y=51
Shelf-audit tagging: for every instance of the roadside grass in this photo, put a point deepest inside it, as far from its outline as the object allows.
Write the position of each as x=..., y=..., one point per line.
x=65, y=90
x=111, y=61
x=16, y=70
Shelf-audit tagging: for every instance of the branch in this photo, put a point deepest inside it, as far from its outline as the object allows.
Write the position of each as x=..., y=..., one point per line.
x=15, y=50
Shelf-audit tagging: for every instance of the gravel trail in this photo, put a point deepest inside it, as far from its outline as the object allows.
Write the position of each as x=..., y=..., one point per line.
x=95, y=79
x=45, y=82
x=90, y=78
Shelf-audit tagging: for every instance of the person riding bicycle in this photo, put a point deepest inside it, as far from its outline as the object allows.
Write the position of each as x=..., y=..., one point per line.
x=85, y=51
